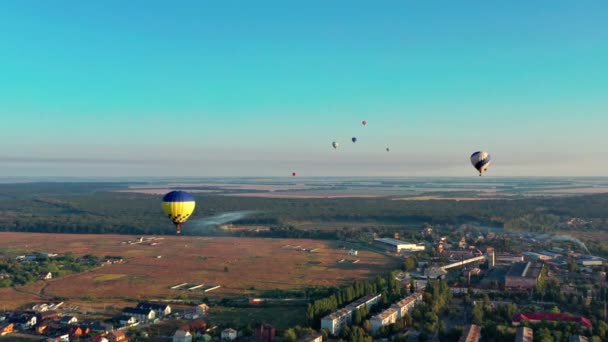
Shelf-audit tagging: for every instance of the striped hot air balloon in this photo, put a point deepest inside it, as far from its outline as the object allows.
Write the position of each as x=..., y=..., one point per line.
x=481, y=160
x=178, y=206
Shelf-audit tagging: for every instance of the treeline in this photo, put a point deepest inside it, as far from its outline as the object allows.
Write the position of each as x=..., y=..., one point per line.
x=91, y=208
x=22, y=272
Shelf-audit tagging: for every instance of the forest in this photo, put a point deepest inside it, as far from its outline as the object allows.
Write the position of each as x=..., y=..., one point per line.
x=96, y=208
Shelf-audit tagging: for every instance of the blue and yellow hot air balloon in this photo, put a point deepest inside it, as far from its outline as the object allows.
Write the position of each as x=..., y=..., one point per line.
x=178, y=206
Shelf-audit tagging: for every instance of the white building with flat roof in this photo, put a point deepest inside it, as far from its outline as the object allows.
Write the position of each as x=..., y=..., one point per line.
x=398, y=246
x=386, y=317
x=407, y=304
x=336, y=320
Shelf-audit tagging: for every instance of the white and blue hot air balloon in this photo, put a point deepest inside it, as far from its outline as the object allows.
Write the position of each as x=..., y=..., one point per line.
x=481, y=160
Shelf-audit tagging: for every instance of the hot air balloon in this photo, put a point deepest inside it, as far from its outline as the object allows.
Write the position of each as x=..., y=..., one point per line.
x=480, y=160
x=178, y=206
x=364, y=122
x=354, y=139
x=387, y=149
x=293, y=174
x=335, y=144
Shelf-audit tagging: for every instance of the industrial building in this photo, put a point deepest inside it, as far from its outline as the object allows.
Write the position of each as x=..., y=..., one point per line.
x=397, y=246
x=523, y=275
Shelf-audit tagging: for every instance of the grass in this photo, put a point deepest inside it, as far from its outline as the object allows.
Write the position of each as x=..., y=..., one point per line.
x=280, y=317
x=109, y=276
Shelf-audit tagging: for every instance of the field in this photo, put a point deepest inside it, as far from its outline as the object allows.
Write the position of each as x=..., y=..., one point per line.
x=241, y=266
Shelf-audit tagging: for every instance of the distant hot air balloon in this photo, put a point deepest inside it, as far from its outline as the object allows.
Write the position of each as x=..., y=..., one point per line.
x=293, y=174
x=354, y=139
x=480, y=160
x=335, y=144
x=364, y=122
x=178, y=206
x=388, y=149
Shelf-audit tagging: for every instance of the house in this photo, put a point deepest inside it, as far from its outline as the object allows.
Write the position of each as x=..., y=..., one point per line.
x=265, y=333
x=202, y=309
x=117, y=336
x=471, y=333
x=142, y=315
x=197, y=327
x=99, y=339
x=101, y=327
x=59, y=338
x=44, y=326
x=6, y=328
x=577, y=338
x=127, y=320
x=311, y=338
x=25, y=321
x=45, y=275
x=386, y=317
x=229, y=334
x=77, y=331
x=68, y=320
x=47, y=315
x=160, y=310
x=182, y=336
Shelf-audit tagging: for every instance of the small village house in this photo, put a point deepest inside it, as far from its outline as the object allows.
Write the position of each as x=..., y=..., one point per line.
x=182, y=336
x=229, y=334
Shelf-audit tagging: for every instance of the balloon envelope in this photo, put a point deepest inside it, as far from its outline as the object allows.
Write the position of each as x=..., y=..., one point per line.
x=354, y=139
x=335, y=144
x=364, y=122
x=481, y=161
x=293, y=174
x=178, y=206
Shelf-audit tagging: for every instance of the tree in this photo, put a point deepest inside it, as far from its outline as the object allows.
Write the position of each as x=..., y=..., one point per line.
x=290, y=335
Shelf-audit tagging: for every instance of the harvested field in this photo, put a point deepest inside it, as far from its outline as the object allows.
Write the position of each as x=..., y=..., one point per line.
x=241, y=266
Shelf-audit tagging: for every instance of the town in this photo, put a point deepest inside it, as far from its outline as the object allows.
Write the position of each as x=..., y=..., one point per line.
x=452, y=285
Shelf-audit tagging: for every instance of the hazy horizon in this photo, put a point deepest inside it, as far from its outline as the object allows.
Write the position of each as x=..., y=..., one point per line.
x=193, y=89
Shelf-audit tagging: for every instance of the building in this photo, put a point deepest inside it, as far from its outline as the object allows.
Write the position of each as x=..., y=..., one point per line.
x=577, y=338
x=117, y=336
x=397, y=246
x=127, y=320
x=67, y=320
x=471, y=333
x=588, y=260
x=160, y=310
x=386, y=317
x=524, y=334
x=368, y=301
x=311, y=338
x=229, y=334
x=99, y=339
x=202, y=309
x=45, y=275
x=508, y=258
x=265, y=333
x=523, y=275
x=554, y=317
x=336, y=320
x=531, y=256
x=6, y=328
x=406, y=305
x=182, y=336
x=61, y=338
x=142, y=315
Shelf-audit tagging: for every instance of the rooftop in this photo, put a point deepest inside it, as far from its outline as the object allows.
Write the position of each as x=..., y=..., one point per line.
x=525, y=269
x=548, y=316
x=362, y=301
x=394, y=242
x=386, y=313
x=338, y=314
x=471, y=333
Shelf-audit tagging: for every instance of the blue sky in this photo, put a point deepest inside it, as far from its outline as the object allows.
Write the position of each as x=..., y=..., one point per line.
x=244, y=88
